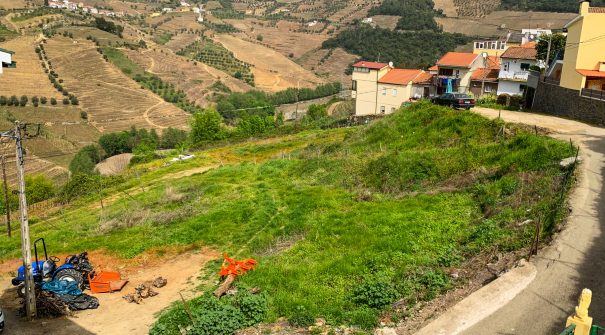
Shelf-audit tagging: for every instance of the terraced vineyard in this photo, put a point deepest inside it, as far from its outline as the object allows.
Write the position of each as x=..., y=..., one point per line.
x=329, y=64
x=195, y=79
x=28, y=78
x=214, y=54
x=113, y=101
x=272, y=71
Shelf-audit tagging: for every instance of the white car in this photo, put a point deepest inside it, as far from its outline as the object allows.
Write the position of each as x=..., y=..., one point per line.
x=1, y=321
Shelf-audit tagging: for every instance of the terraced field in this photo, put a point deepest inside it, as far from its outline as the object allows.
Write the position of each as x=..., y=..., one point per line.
x=28, y=78
x=112, y=100
x=282, y=37
x=187, y=20
x=195, y=80
x=180, y=41
x=329, y=64
x=490, y=24
x=272, y=70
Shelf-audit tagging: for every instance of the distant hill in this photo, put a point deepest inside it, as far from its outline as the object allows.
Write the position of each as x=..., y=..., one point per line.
x=570, y=6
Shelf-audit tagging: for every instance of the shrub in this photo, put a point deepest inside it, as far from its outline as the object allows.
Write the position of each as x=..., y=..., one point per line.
x=301, y=317
x=3, y=100
x=516, y=101
x=65, y=101
x=23, y=100
x=53, y=101
x=74, y=100
x=503, y=99
x=83, y=115
x=375, y=291
x=43, y=100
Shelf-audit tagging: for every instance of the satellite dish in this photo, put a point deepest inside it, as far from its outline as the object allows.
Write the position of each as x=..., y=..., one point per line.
x=390, y=64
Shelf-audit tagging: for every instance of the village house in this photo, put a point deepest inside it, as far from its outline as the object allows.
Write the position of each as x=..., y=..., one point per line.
x=6, y=59
x=584, y=61
x=456, y=69
x=380, y=89
x=514, y=72
x=485, y=80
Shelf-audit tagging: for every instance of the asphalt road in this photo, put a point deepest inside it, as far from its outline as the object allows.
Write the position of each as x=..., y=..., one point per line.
x=576, y=259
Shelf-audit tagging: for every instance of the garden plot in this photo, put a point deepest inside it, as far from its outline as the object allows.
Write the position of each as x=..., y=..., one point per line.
x=194, y=78
x=112, y=100
x=272, y=70
x=28, y=78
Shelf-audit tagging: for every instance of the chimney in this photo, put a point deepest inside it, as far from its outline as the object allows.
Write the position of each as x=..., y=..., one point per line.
x=584, y=6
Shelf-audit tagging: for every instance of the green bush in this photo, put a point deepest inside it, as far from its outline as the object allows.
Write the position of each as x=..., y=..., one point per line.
x=375, y=291
x=53, y=101
x=366, y=318
x=207, y=126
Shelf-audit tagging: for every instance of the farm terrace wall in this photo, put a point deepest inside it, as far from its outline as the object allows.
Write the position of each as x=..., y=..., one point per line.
x=560, y=101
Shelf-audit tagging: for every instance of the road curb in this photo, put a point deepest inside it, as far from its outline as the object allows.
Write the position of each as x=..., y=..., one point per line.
x=483, y=302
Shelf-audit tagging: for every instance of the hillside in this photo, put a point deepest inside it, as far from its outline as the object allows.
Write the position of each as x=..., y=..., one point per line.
x=441, y=198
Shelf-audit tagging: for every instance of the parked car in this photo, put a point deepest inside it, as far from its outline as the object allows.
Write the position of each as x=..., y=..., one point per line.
x=455, y=100
x=1, y=321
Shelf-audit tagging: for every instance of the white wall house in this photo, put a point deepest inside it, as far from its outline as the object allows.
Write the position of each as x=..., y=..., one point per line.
x=514, y=71
x=6, y=59
x=365, y=86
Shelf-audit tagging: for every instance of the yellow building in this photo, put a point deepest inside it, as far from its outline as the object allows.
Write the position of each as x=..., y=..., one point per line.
x=584, y=61
x=365, y=86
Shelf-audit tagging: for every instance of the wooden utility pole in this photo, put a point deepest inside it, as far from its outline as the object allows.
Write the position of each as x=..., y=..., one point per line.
x=30, y=294
x=6, y=204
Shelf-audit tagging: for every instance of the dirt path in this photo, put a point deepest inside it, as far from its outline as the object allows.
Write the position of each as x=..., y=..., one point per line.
x=115, y=315
x=575, y=259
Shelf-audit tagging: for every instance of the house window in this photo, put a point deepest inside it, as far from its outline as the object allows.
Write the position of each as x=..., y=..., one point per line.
x=525, y=66
x=354, y=85
x=361, y=69
x=487, y=88
x=382, y=109
x=394, y=92
x=384, y=91
x=506, y=66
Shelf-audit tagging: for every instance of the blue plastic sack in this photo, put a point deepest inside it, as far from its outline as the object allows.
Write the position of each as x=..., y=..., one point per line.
x=62, y=287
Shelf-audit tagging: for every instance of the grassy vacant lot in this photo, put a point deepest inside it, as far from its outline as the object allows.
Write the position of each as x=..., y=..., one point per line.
x=352, y=221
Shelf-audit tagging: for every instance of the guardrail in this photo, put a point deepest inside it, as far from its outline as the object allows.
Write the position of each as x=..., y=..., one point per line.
x=569, y=330
x=514, y=75
x=597, y=330
x=593, y=94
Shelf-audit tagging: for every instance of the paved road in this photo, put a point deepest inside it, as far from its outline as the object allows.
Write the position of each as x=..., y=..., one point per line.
x=576, y=260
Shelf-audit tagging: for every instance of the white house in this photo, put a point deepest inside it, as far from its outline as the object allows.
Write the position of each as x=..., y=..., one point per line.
x=6, y=59
x=514, y=70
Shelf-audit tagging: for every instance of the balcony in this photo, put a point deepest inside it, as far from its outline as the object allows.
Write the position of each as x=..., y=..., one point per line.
x=593, y=94
x=514, y=75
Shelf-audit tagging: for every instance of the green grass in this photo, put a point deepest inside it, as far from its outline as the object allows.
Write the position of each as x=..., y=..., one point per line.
x=162, y=38
x=352, y=222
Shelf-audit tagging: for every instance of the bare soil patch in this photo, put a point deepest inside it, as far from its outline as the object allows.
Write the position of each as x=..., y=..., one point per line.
x=115, y=315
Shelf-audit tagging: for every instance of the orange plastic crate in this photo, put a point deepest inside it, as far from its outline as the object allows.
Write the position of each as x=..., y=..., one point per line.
x=106, y=281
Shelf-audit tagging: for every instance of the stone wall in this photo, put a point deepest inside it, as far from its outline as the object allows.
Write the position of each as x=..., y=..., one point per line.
x=560, y=101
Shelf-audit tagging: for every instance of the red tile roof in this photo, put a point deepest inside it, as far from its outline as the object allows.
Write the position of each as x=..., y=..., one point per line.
x=493, y=62
x=423, y=78
x=457, y=59
x=486, y=74
x=519, y=53
x=600, y=10
x=591, y=73
x=371, y=65
x=400, y=76
x=434, y=68
x=530, y=45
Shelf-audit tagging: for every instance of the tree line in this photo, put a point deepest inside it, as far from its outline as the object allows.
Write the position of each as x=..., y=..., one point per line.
x=570, y=6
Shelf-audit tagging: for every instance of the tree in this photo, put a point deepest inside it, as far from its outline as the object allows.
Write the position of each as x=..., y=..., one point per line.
x=115, y=143
x=206, y=126
x=65, y=101
x=53, y=101
x=13, y=101
x=316, y=112
x=86, y=159
x=23, y=100
x=35, y=101
x=172, y=137
x=43, y=100
x=3, y=100
x=557, y=46
x=39, y=188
